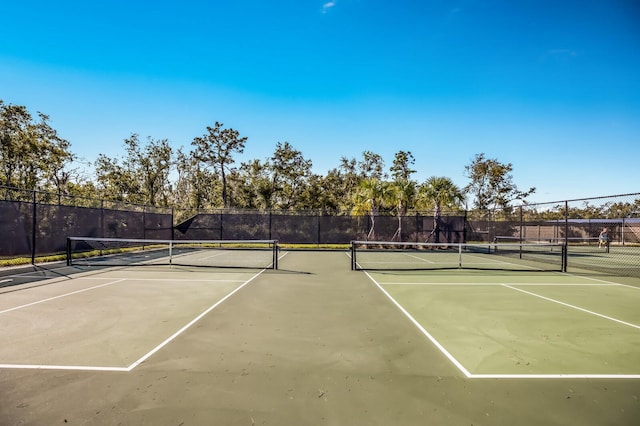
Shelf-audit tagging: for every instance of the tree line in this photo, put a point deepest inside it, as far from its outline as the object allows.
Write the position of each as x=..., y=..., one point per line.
x=205, y=175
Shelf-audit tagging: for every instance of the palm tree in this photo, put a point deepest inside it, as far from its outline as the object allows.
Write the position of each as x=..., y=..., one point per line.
x=402, y=195
x=438, y=192
x=371, y=195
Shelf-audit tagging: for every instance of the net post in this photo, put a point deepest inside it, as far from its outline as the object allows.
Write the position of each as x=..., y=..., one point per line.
x=353, y=256
x=459, y=255
x=170, y=252
x=565, y=256
x=68, y=251
x=276, y=249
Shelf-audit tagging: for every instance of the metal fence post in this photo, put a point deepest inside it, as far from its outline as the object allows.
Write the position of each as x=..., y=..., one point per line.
x=34, y=225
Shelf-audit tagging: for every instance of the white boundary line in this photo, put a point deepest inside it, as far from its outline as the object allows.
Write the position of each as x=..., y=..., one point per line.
x=190, y=280
x=572, y=306
x=555, y=376
x=422, y=329
x=15, y=308
x=183, y=329
x=419, y=258
x=61, y=367
x=474, y=284
x=470, y=375
x=607, y=282
x=139, y=360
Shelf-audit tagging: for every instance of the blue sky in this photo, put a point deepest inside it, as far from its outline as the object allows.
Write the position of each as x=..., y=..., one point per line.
x=552, y=87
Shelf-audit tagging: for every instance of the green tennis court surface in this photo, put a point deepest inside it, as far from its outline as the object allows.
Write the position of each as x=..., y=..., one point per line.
x=315, y=343
x=509, y=325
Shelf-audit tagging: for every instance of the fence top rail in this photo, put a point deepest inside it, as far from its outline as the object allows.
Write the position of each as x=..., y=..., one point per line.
x=632, y=194
x=143, y=240
x=453, y=244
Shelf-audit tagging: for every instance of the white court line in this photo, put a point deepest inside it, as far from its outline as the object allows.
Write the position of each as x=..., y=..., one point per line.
x=137, y=362
x=495, y=262
x=573, y=306
x=444, y=284
x=191, y=280
x=419, y=258
x=60, y=296
x=202, y=255
x=554, y=376
x=469, y=375
x=422, y=329
x=196, y=319
x=608, y=282
x=36, y=275
x=61, y=367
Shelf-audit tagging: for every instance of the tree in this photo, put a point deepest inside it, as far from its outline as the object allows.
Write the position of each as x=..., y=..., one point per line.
x=372, y=195
x=216, y=149
x=492, y=184
x=401, y=169
x=255, y=178
x=291, y=172
x=402, y=193
x=437, y=193
x=143, y=176
x=32, y=155
x=115, y=182
x=371, y=166
x=194, y=189
x=403, y=189
x=151, y=165
x=338, y=187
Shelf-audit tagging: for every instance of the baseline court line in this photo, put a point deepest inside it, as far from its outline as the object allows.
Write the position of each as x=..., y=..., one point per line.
x=134, y=364
x=554, y=376
x=444, y=284
x=190, y=280
x=61, y=367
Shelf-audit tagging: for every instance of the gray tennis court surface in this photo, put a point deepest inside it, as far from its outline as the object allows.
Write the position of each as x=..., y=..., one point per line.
x=315, y=343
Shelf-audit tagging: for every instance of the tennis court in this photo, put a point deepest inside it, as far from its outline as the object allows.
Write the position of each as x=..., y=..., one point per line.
x=314, y=342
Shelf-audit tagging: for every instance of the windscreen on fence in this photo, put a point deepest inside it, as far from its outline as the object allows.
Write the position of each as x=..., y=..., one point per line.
x=35, y=229
x=35, y=224
x=313, y=228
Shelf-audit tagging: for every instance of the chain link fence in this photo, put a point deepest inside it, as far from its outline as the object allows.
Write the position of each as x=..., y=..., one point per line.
x=316, y=228
x=602, y=234
x=35, y=224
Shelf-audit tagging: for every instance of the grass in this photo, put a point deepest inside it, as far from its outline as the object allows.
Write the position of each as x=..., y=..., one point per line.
x=17, y=261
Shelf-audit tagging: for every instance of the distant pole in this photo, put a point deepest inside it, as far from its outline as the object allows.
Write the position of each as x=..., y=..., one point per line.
x=34, y=227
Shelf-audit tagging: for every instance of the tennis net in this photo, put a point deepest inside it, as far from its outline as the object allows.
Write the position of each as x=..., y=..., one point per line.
x=88, y=251
x=384, y=255
x=574, y=241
